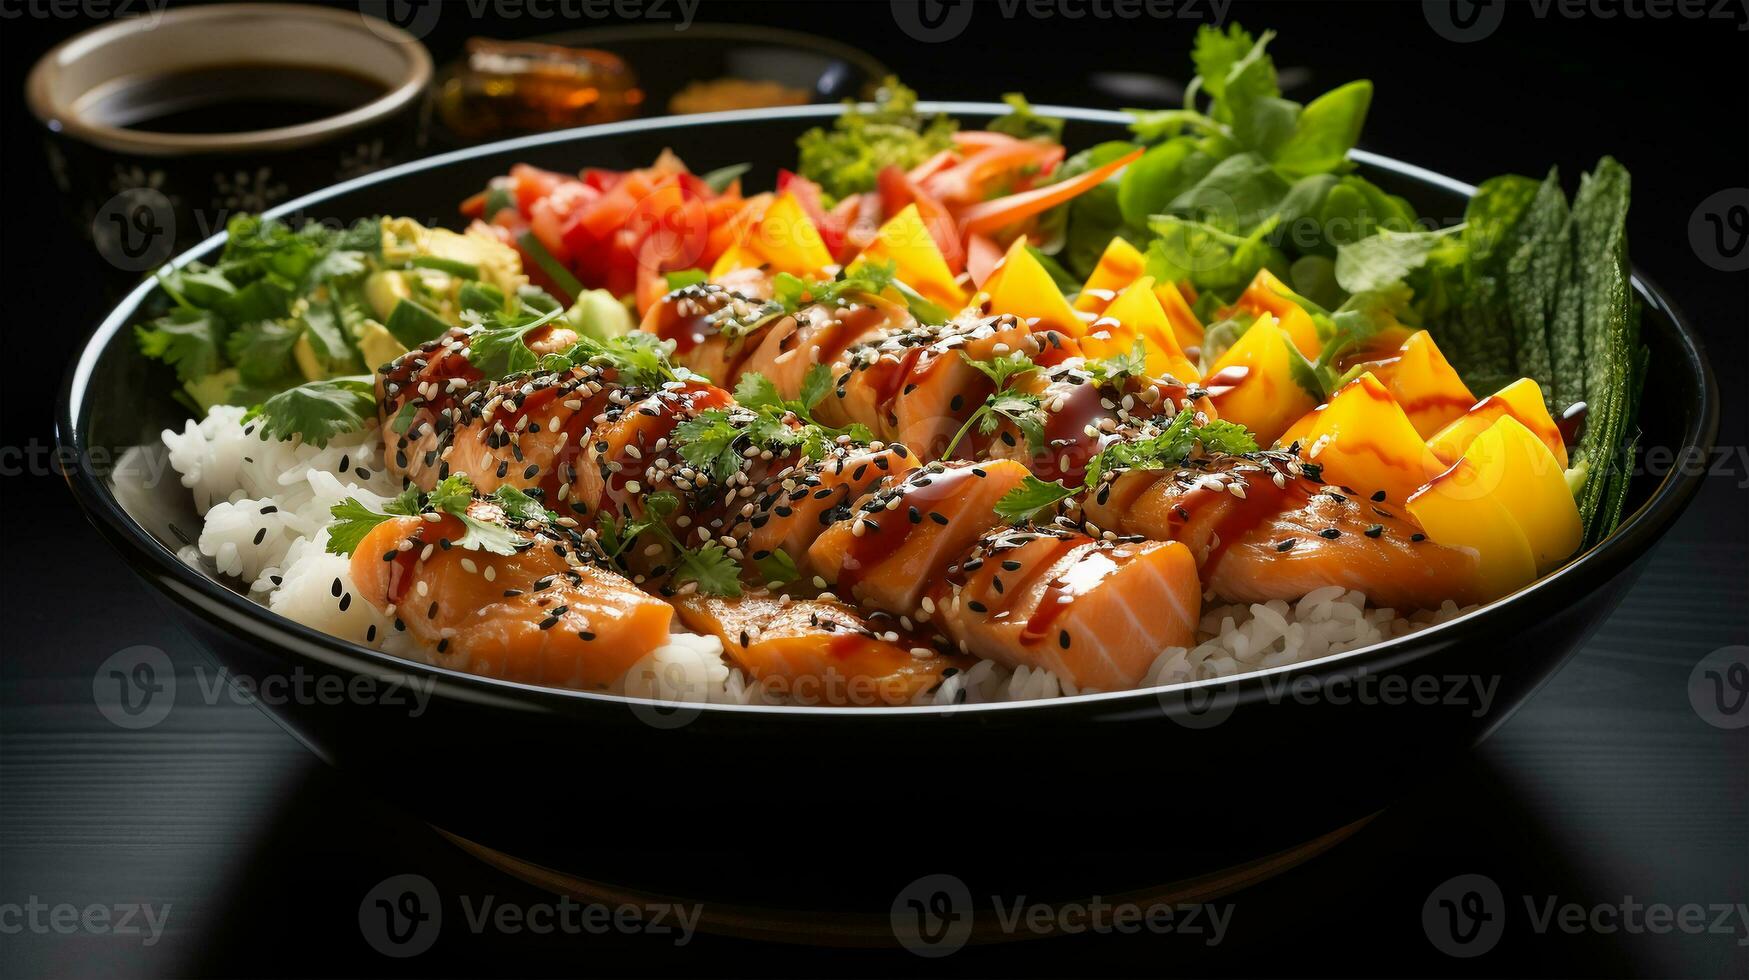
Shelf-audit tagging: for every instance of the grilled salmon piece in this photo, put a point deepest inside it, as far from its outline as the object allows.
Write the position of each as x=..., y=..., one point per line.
x=814, y=651
x=902, y=538
x=1094, y=612
x=538, y=617
x=795, y=507
x=1263, y=527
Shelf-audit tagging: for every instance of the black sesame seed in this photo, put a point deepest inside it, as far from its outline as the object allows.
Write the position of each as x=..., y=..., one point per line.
x=335, y=588
x=1287, y=544
x=1379, y=497
x=1330, y=532
x=1375, y=530
x=1063, y=639
x=345, y=602
x=1011, y=565
x=261, y=535
x=938, y=518
x=1417, y=536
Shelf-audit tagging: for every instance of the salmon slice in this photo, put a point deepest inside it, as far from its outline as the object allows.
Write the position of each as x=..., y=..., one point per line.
x=1263, y=527
x=1094, y=612
x=814, y=651
x=914, y=386
x=793, y=510
x=536, y=617
x=440, y=415
x=901, y=539
x=817, y=335
x=1082, y=414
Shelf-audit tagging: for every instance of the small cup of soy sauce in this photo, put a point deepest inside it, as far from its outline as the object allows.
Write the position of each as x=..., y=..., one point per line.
x=162, y=129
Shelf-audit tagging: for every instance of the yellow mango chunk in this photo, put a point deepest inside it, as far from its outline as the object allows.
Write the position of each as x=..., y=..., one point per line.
x=1119, y=265
x=1522, y=400
x=1136, y=314
x=1531, y=486
x=1185, y=325
x=1122, y=264
x=1253, y=383
x=1021, y=286
x=788, y=242
x=1458, y=509
x=1424, y=383
x=1363, y=441
x=905, y=241
x=1265, y=295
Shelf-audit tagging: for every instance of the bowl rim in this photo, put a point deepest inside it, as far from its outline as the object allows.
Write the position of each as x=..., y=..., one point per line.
x=1576, y=578
x=60, y=118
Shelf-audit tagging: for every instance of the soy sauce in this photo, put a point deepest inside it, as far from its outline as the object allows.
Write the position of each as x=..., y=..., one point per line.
x=232, y=98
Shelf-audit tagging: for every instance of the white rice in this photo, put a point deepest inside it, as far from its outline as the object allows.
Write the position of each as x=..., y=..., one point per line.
x=266, y=505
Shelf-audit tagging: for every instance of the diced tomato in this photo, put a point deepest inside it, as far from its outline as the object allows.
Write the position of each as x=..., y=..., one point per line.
x=549, y=216
x=532, y=184
x=601, y=180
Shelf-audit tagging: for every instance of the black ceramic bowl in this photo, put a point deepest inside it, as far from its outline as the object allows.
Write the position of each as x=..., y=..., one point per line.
x=758, y=808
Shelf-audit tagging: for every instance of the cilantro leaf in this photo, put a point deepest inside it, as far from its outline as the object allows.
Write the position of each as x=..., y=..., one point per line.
x=185, y=339
x=501, y=348
x=317, y=411
x=1021, y=408
x=712, y=568
x=352, y=521
x=1033, y=495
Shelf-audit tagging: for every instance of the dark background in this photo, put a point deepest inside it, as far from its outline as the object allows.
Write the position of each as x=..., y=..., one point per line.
x=1606, y=787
